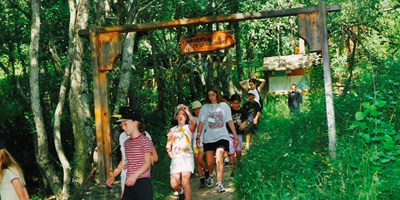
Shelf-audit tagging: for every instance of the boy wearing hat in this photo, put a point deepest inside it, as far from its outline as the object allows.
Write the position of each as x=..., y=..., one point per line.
x=253, y=110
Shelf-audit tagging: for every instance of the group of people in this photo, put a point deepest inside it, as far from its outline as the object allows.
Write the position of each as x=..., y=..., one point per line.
x=216, y=129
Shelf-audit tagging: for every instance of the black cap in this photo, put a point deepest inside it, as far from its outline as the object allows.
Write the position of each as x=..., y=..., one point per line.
x=127, y=113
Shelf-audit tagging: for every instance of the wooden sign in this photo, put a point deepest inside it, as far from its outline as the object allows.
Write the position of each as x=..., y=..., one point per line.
x=207, y=42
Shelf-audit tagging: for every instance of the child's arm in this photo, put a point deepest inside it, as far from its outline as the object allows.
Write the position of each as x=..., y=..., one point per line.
x=154, y=155
x=243, y=84
x=233, y=129
x=199, y=131
x=20, y=189
x=193, y=122
x=263, y=82
x=146, y=165
x=115, y=173
x=256, y=118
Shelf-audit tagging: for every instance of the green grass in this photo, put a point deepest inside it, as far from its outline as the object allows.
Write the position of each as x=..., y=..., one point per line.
x=290, y=160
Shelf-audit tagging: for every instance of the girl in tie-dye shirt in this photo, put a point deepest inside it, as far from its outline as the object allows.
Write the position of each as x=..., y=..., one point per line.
x=179, y=148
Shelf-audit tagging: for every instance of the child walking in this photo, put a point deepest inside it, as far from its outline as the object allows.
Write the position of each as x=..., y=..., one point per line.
x=12, y=185
x=179, y=148
x=138, y=150
x=239, y=117
x=253, y=109
x=199, y=151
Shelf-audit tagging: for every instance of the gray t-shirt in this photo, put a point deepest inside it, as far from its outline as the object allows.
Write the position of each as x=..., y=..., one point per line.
x=215, y=117
x=7, y=190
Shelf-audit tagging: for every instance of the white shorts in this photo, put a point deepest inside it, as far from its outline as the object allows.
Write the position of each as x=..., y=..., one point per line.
x=182, y=164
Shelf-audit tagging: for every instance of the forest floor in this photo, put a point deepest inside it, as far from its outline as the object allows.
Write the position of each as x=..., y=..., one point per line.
x=211, y=193
x=98, y=191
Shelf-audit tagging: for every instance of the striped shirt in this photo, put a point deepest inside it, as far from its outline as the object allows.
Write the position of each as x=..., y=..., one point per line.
x=135, y=148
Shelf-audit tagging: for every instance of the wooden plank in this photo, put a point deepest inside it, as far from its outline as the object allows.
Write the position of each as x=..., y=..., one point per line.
x=330, y=111
x=310, y=29
x=208, y=20
x=207, y=42
x=97, y=106
x=105, y=123
x=109, y=50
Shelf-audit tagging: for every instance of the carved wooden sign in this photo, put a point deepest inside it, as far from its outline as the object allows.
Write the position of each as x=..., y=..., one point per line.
x=207, y=42
x=109, y=50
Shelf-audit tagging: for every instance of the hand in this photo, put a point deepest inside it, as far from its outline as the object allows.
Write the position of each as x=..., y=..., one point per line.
x=197, y=142
x=255, y=121
x=131, y=180
x=110, y=181
x=242, y=127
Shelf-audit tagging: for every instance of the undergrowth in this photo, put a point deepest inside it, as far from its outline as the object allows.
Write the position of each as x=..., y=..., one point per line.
x=290, y=158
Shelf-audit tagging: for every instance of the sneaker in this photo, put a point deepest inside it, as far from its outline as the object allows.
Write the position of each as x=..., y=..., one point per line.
x=210, y=181
x=206, y=174
x=181, y=196
x=202, y=182
x=220, y=188
x=226, y=161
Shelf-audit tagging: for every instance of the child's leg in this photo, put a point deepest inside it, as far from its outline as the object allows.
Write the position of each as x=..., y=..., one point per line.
x=248, y=139
x=186, y=185
x=210, y=161
x=176, y=182
x=220, y=163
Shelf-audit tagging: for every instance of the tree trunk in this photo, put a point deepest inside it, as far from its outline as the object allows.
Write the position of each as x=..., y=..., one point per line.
x=57, y=126
x=126, y=71
x=82, y=124
x=41, y=148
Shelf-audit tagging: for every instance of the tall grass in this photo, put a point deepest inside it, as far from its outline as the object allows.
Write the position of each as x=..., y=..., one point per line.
x=290, y=158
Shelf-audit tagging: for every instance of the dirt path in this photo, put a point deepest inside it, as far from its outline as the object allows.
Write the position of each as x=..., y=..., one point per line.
x=211, y=193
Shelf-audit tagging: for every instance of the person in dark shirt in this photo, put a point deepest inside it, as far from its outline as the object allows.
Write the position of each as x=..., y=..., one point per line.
x=294, y=101
x=253, y=109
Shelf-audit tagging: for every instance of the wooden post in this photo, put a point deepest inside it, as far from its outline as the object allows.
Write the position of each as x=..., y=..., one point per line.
x=330, y=112
x=97, y=104
x=102, y=116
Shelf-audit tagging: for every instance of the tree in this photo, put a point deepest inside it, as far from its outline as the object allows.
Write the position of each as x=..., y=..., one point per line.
x=79, y=93
x=41, y=147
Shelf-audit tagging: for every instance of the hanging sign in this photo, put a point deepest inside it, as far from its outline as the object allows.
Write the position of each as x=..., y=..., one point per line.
x=207, y=42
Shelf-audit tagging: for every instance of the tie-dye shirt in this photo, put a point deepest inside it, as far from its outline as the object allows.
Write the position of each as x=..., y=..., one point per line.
x=181, y=141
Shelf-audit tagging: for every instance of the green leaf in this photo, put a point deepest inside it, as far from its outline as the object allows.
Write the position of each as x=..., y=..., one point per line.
x=373, y=111
x=366, y=137
x=385, y=160
x=360, y=116
x=366, y=104
x=380, y=103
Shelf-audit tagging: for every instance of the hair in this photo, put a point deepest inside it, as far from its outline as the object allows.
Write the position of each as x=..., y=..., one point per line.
x=8, y=162
x=219, y=96
x=253, y=80
x=236, y=97
x=141, y=127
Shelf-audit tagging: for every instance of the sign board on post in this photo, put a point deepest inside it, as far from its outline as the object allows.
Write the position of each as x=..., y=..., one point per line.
x=207, y=42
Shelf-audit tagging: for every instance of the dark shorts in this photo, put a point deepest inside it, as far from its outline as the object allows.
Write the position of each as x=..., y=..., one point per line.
x=251, y=128
x=213, y=146
x=142, y=190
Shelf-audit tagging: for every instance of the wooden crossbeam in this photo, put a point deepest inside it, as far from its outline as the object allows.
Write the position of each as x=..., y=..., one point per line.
x=207, y=20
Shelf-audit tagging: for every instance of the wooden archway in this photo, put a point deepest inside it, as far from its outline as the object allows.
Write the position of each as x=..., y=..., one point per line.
x=106, y=46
